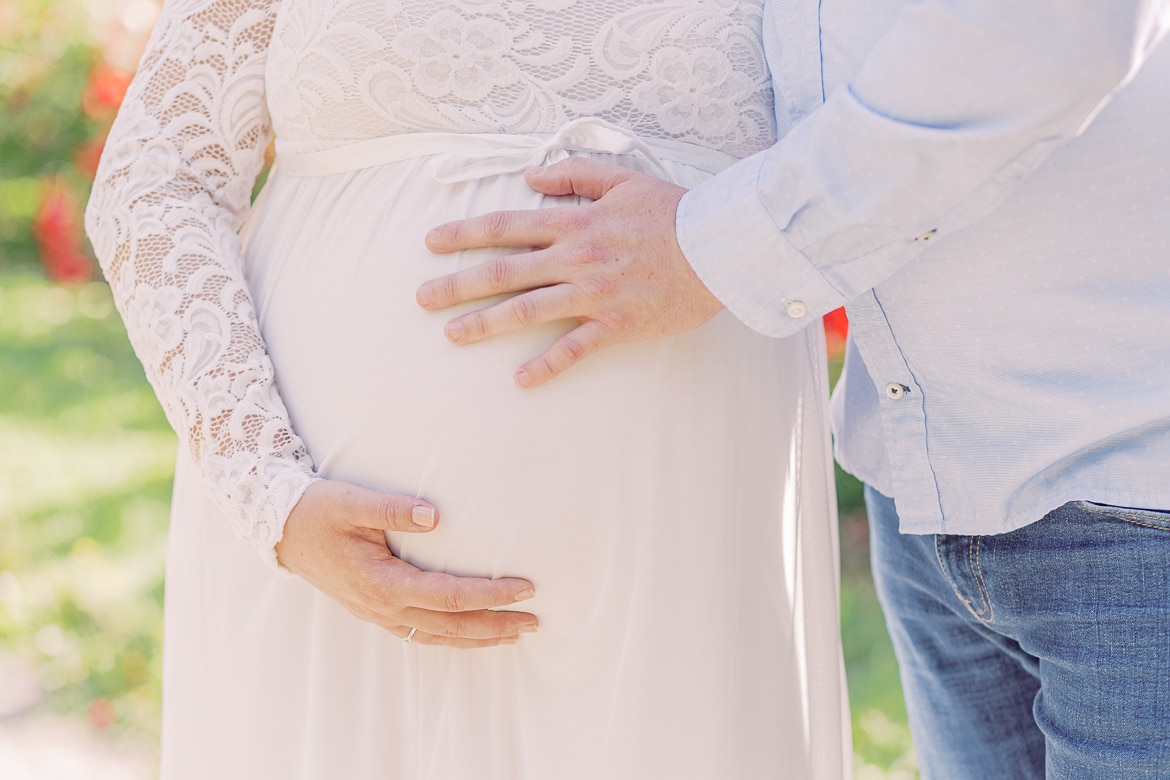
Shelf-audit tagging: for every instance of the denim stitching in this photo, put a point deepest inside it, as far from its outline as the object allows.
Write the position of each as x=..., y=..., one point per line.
x=1124, y=515
x=947, y=573
x=1144, y=525
x=977, y=570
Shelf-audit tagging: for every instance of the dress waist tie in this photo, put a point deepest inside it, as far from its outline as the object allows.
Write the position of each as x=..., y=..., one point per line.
x=458, y=157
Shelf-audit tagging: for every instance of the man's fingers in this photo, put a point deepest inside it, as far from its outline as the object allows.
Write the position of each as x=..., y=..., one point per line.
x=497, y=229
x=500, y=275
x=565, y=352
x=577, y=176
x=535, y=307
x=574, y=176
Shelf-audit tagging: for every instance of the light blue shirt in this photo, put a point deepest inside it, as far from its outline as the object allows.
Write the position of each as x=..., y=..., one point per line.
x=987, y=185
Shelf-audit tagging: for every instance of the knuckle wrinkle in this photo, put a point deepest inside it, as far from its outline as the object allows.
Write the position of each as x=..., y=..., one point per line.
x=496, y=225
x=499, y=272
x=524, y=311
x=454, y=601
x=450, y=288
x=387, y=513
x=572, y=349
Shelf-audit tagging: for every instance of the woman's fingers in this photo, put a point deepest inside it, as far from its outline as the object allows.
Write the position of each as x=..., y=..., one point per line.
x=342, y=504
x=400, y=513
x=484, y=624
x=334, y=539
x=441, y=592
x=364, y=508
x=445, y=605
x=441, y=605
x=421, y=638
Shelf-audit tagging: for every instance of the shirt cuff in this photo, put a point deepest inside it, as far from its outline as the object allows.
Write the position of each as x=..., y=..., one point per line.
x=735, y=248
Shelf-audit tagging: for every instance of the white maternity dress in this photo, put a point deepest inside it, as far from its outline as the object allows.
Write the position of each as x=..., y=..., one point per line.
x=671, y=500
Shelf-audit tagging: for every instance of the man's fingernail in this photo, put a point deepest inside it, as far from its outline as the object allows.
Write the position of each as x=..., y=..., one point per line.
x=528, y=628
x=522, y=378
x=525, y=594
x=511, y=640
x=423, y=516
x=454, y=330
x=533, y=171
x=433, y=236
x=424, y=295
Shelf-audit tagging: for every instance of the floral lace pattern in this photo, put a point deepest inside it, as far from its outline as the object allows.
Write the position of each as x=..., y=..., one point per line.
x=174, y=185
x=688, y=70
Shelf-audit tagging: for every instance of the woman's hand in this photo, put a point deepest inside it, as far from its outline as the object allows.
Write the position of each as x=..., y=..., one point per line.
x=333, y=539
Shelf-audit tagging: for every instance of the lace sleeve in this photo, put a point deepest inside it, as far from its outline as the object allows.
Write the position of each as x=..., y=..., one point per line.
x=171, y=192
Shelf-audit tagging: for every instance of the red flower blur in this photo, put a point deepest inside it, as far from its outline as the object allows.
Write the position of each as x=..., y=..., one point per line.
x=107, y=87
x=836, y=330
x=57, y=230
x=101, y=714
x=89, y=154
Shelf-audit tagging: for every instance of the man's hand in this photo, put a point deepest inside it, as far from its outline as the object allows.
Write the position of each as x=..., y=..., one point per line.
x=613, y=264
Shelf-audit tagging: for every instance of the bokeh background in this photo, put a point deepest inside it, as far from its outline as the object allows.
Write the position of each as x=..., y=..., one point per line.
x=86, y=455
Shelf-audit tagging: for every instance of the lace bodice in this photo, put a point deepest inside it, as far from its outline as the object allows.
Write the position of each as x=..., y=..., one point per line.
x=174, y=185
x=690, y=70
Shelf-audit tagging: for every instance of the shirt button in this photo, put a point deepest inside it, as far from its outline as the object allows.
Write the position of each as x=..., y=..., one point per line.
x=796, y=310
x=927, y=236
x=896, y=391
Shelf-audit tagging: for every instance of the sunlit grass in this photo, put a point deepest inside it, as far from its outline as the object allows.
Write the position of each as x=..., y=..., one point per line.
x=881, y=737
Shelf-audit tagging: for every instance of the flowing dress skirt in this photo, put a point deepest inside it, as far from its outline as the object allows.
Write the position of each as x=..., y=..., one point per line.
x=671, y=500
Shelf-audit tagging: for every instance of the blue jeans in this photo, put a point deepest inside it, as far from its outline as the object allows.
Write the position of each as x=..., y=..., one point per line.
x=1040, y=653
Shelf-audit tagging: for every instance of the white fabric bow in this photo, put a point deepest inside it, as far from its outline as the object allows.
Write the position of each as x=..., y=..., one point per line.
x=511, y=153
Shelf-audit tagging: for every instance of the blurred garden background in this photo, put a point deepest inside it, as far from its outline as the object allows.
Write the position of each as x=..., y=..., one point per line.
x=86, y=455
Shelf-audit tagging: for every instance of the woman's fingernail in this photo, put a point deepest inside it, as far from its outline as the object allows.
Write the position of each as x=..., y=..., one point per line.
x=529, y=628
x=432, y=236
x=525, y=594
x=424, y=296
x=510, y=640
x=454, y=331
x=423, y=516
x=522, y=378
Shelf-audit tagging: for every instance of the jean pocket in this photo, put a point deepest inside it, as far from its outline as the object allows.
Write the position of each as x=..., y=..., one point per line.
x=1148, y=518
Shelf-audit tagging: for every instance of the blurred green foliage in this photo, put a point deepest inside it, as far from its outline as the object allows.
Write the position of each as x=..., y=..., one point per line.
x=85, y=473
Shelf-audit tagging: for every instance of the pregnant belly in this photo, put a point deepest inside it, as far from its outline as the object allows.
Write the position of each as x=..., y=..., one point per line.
x=557, y=484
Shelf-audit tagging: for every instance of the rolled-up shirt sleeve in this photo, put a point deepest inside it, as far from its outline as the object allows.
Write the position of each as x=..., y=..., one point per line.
x=954, y=105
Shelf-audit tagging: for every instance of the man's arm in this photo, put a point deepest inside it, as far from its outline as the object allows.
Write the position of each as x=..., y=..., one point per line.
x=955, y=104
